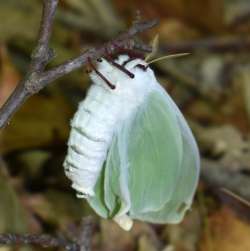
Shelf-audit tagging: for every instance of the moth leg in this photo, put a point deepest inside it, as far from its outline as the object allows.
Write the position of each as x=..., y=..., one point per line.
x=88, y=69
x=120, y=67
x=128, y=60
x=128, y=49
x=100, y=75
x=143, y=67
x=132, y=53
x=123, y=69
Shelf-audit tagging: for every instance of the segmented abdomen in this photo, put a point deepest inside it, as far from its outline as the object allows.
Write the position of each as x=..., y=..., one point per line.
x=90, y=137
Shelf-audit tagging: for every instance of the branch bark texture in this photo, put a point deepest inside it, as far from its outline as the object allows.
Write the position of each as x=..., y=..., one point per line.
x=37, y=77
x=80, y=242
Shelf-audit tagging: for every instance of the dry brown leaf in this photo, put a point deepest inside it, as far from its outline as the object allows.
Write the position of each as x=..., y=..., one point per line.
x=225, y=232
x=58, y=207
x=173, y=29
x=208, y=14
x=145, y=244
x=114, y=238
x=184, y=236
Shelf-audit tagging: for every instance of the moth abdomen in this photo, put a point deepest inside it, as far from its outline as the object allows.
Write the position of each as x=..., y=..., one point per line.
x=83, y=169
x=82, y=162
x=86, y=150
x=91, y=134
x=85, y=145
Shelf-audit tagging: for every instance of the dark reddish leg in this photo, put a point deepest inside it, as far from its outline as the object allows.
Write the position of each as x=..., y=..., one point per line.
x=120, y=67
x=141, y=66
x=88, y=69
x=132, y=53
x=130, y=50
x=100, y=75
x=127, y=61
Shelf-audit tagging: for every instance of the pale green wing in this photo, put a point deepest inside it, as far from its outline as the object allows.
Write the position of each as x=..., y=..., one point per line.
x=143, y=163
x=97, y=202
x=117, y=194
x=154, y=155
x=111, y=196
x=174, y=210
x=150, y=172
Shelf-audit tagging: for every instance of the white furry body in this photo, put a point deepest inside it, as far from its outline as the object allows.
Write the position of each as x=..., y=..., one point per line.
x=99, y=116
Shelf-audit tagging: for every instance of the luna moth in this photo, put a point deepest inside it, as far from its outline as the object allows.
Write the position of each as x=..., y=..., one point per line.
x=131, y=154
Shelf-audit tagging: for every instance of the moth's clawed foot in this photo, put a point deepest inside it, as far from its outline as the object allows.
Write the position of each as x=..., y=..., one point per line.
x=110, y=59
x=123, y=69
x=143, y=67
x=110, y=85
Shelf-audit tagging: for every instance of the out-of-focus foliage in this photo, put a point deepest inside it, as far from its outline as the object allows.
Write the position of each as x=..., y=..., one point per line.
x=41, y=121
x=211, y=87
x=13, y=217
x=225, y=232
x=16, y=23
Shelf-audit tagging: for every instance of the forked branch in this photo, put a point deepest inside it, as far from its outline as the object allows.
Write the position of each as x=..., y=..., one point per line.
x=37, y=77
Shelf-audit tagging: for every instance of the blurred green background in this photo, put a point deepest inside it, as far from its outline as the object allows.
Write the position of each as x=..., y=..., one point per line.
x=211, y=86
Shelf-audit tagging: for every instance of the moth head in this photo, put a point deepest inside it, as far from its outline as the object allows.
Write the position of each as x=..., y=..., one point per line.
x=123, y=72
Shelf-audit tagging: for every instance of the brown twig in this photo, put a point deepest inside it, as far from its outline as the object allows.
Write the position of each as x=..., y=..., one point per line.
x=37, y=77
x=39, y=58
x=44, y=241
x=85, y=233
x=81, y=242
